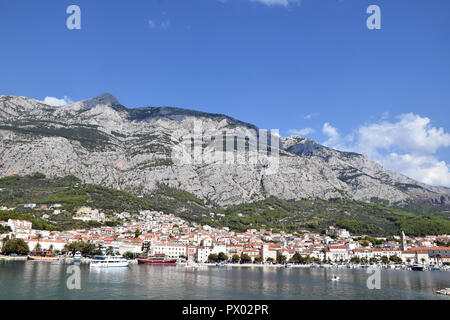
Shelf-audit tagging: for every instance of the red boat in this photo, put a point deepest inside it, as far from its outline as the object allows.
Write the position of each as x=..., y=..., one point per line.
x=156, y=259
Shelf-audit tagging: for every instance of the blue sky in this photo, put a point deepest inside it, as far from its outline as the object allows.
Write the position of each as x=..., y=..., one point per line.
x=299, y=66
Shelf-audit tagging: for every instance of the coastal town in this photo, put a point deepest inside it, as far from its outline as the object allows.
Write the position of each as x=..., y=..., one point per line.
x=157, y=233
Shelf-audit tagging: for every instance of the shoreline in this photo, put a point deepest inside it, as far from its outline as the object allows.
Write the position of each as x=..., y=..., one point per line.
x=68, y=260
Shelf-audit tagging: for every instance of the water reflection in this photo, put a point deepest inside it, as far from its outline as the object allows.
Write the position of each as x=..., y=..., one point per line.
x=38, y=280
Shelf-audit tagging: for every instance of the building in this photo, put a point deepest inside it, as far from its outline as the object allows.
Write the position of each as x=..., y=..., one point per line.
x=171, y=250
x=203, y=254
x=403, y=246
x=377, y=253
x=418, y=255
x=336, y=253
x=23, y=226
x=267, y=252
x=46, y=244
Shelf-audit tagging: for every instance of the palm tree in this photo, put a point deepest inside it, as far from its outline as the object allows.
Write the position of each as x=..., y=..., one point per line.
x=109, y=251
x=38, y=246
x=438, y=257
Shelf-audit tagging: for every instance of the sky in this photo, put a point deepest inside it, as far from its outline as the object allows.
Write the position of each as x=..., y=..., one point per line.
x=307, y=67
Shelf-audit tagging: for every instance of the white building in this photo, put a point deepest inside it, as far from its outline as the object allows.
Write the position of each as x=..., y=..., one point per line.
x=336, y=253
x=23, y=226
x=171, y=250
x=203, y=254
x=45, y=244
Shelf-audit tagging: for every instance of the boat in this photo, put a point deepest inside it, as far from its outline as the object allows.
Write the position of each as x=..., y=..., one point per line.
x=192, y=264
x=417, y=267
x=335, y=278
x=43, y=256
x=77, y=257
x=435, y=268
x=157, y=259
x=289, y=265
x=110, y=262
x=445, y=292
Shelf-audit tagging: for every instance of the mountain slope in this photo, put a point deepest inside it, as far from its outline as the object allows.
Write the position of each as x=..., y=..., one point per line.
x=272, y=213
x=102, y=142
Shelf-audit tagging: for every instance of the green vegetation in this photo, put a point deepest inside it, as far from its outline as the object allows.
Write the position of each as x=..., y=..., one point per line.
x=128, y=255
x=213, y=257
x=384, y=260
x=375, y=242
x=15, y=246
x=71, y=193
x=259, y=260
x=4, y=229
x=355, y=259
x=360, y=218
x=316, y=215
x=38, y=224
x=281, y=259
x=245, y=258
x=222, y=256
x=86, y=249
x=235, y=258
x=86, y=135
x=395, y=259
x=68, y=191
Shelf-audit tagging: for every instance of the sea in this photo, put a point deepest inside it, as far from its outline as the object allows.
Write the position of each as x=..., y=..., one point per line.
x=34, y=280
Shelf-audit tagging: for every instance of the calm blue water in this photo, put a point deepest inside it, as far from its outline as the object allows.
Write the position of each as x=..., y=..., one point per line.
x=40, y=280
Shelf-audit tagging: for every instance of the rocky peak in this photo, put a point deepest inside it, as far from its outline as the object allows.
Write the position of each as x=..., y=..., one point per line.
x=103, y=99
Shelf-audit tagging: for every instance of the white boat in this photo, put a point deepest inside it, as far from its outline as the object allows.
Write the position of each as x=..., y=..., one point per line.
x=77, y=257
x=445, y=292
x=110, y=262
x=335, y=278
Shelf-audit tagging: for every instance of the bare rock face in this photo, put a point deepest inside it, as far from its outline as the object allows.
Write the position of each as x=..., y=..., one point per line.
x=102, y=142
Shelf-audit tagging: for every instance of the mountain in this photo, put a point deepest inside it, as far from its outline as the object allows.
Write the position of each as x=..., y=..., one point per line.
x=102, y=142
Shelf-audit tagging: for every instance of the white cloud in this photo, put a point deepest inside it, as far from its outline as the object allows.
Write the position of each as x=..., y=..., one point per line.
x=165, y=24
x=426, y=169
x=302, y=132
x=406, y=145
x=311, y=115
x=283, y=3
x=334, y=138
x=55, y=102
x=411, y=133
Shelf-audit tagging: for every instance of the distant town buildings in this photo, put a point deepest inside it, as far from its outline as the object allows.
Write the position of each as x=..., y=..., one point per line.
x=154, y=232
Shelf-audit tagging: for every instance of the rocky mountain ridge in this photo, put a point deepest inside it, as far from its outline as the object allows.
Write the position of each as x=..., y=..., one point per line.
x=103, y=142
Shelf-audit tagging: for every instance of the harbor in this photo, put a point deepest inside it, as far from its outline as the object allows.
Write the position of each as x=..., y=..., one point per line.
x=23, y=280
